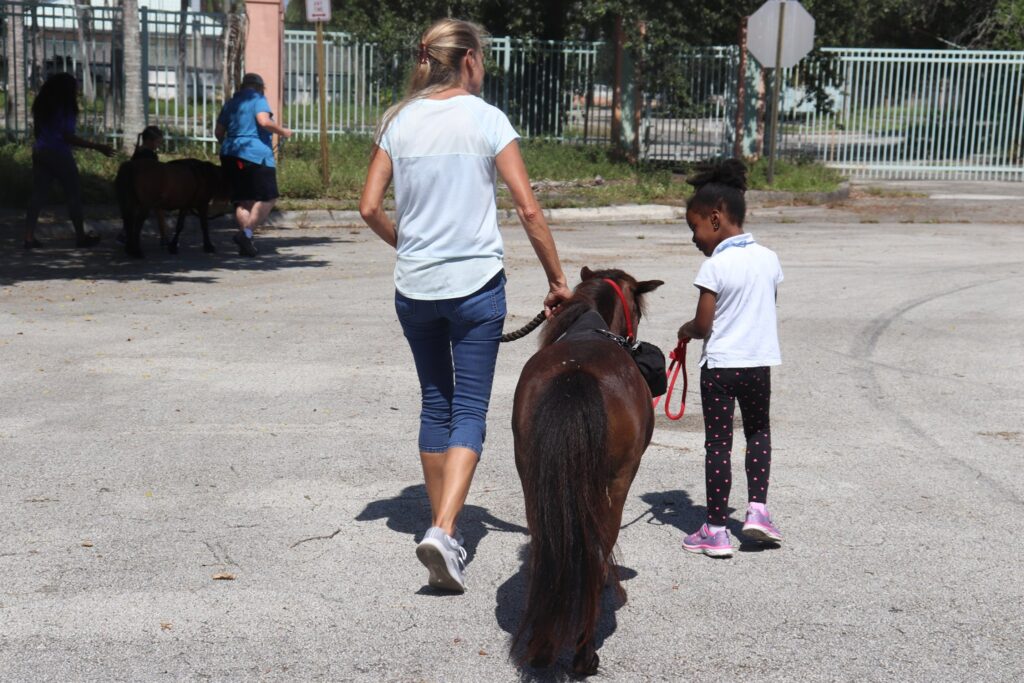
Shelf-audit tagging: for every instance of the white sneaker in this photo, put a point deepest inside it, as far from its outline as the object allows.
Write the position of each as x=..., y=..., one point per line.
x=444, y=558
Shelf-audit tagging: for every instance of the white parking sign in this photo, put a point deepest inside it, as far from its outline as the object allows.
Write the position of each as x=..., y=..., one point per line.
x=318, y=10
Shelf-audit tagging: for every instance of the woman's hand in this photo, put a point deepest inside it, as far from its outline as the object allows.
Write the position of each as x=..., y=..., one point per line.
x=558, y=295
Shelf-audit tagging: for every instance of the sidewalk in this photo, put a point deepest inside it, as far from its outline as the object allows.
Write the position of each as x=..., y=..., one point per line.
x=55, y=224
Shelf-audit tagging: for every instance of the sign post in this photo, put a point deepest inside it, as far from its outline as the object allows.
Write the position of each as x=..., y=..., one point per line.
x=319, y=11
x=780, y=34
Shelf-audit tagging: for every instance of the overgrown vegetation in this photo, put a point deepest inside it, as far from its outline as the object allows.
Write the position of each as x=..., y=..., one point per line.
x=564, y=175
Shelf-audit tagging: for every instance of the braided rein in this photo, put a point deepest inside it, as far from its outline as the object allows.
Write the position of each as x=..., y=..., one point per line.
x=525, y=329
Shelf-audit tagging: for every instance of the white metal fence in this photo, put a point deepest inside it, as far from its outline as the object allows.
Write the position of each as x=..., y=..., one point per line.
x=912, y=113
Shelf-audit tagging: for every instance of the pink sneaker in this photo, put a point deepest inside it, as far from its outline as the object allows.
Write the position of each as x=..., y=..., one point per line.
x=759, y=527
x=712, y=545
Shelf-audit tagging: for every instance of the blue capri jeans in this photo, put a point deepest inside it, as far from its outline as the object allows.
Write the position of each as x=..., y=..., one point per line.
x=455, y=345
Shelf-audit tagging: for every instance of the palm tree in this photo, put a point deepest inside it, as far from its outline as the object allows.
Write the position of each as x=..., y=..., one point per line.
x=16, y=105
x=134, y=100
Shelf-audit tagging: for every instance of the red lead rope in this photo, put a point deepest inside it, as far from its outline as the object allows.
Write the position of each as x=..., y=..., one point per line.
x=677, y=360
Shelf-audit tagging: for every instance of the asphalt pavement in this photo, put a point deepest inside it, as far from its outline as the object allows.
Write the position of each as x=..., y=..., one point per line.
x=170, y=421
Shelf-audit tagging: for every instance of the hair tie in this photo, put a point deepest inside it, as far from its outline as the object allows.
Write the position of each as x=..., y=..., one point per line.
x=423, y=53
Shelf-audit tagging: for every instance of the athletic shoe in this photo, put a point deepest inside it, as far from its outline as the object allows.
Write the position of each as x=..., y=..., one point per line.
x=712, y=545
x=444, y=558
x=758, y=527
x=246, y=247
x=33, y=244
x=89, y=239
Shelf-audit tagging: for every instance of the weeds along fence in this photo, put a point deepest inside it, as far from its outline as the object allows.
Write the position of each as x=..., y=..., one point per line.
x=870, y=112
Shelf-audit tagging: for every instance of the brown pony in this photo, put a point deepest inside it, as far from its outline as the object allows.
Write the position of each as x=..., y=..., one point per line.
x=189, y=185
x=581, y=420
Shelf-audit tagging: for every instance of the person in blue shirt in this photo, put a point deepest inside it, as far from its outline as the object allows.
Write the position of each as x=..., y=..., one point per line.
x=244, y=129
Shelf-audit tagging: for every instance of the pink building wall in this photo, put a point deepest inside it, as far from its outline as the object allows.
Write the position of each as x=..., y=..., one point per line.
x=263, y=49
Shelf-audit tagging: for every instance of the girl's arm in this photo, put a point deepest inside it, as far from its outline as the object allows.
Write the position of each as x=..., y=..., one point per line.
x=700, y=326
x=513, y=171
x=371, y=205
x=76, y=141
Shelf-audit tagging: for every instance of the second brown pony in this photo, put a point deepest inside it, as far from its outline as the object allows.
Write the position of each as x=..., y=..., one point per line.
x=189, y=185
x=581, y=420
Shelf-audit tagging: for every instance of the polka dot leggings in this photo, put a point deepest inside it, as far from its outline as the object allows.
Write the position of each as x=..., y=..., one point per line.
x=720, y=389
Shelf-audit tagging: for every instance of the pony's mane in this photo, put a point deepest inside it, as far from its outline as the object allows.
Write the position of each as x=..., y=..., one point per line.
x=591, y=294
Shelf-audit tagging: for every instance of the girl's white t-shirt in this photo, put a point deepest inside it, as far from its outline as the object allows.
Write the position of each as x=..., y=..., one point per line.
x=745, y=277
x=442, y=154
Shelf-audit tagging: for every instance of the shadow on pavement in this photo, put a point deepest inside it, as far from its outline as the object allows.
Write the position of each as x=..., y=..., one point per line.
x=409, y=513
x=675, y=508
x=511, y=598
x=59, y=260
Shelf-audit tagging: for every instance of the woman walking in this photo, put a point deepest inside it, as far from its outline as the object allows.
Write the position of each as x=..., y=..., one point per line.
x=244, y=129
x=443, y=147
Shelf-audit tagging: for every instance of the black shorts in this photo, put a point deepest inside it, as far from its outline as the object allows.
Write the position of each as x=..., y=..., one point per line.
x=249, y=182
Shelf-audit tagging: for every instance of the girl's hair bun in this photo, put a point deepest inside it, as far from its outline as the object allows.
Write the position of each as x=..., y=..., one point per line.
x=728, y=172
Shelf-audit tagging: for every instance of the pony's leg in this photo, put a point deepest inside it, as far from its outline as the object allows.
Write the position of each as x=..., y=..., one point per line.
x=205, y=225
x=161, y=224
x=172, y=248
x=585, y=661
x=133, y=240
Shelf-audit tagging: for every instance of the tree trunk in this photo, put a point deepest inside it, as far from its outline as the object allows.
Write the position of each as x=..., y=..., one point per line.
x=181, y=76
x=84, y=13
x=236, y=25
x=16, y=106
x=134, y=100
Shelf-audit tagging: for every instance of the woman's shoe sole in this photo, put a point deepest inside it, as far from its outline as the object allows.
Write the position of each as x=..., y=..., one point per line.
x=432, y=558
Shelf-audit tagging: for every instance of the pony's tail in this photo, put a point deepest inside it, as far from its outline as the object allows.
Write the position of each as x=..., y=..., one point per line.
x=566, y=502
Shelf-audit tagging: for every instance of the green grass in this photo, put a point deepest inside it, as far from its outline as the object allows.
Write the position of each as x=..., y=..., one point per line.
x=794, y=176
x=565, y=175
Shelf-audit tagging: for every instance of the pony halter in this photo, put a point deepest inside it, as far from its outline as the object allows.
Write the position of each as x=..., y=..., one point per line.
x=625, y=307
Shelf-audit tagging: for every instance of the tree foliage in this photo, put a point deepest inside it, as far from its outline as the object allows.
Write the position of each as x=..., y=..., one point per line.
x=994, y=24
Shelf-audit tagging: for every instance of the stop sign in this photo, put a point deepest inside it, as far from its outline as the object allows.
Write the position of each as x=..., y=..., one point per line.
x=763, y=33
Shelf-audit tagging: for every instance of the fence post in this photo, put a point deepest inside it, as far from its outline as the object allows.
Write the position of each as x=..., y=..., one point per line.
x=741, y=92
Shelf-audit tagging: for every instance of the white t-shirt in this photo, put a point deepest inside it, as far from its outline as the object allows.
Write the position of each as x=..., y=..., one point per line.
x=745, y=277
x=442, y=153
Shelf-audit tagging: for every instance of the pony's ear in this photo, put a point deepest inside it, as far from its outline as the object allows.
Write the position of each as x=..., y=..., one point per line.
x=586, y=274
x=648, y=286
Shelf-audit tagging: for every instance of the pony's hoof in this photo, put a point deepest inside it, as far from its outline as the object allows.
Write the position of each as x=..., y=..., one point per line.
x=172, y=248
x=585, y=665
x=542, y=659
x=209, y=249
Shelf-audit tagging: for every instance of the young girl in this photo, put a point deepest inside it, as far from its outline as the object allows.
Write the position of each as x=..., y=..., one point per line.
x=53, y=120
x=736, y=319
x=147, y=146
x=148, y=143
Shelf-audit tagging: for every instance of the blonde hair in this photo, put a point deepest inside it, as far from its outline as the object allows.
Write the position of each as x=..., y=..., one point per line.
x=438, y=63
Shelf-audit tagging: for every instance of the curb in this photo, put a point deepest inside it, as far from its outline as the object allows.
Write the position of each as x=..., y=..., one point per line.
x=327, y=218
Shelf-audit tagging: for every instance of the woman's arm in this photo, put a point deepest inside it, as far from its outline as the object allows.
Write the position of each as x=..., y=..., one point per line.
x=76, y=141
x=513, y=171
x=267, y=123
x=371, y=205
x=700, y=326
